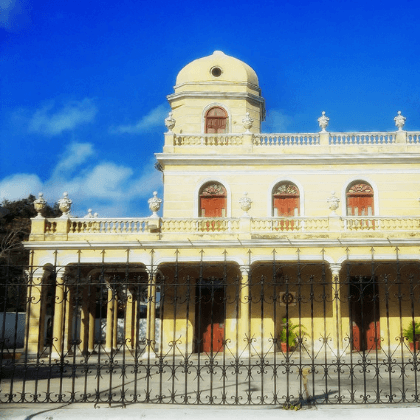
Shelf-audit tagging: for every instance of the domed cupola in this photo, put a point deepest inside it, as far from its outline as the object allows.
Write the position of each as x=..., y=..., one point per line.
x=213, y=95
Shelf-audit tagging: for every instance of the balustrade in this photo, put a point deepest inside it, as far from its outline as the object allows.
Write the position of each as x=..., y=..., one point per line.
x=361, y=138
x=413, y=137
x=208, y=140
x=233, y=225
x=113, y=225
x=299, y=139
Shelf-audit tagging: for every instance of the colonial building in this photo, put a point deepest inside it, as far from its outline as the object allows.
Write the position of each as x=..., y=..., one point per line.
x=310, y=238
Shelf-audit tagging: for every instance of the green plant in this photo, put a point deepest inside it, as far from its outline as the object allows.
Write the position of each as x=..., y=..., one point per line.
x=290, y=332
x=412, y=331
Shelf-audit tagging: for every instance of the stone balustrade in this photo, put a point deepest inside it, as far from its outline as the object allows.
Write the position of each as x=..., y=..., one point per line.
x=74, y=228
x=297, y=139
x=199, y=225
x=261, y=140
x=208, y=140
x=362, y=138
x=109, y=225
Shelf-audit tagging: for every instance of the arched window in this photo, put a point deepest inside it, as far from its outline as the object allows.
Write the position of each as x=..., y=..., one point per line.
x=286, y=200
x=360, y=199
x=216, y=120
x=213, y=200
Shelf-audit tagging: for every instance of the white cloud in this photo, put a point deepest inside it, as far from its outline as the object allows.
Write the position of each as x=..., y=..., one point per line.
x=74, y=155
x=14, y=14
x=277, y=121
x=154, y=118
x=20, y=186
x=51, y=121
x=109, y=188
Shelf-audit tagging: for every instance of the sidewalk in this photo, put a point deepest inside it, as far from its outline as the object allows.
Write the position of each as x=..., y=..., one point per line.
x=154, y=412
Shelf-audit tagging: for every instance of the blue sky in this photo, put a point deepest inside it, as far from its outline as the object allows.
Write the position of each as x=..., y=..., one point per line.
x=83, y=83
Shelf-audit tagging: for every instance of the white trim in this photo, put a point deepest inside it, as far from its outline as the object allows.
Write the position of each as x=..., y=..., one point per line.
x=289, y=159
x=363, y=179
x=281, y=257
x=213, y=105
x=218, y=259
x=301, y=195
x=378, y=257
x=197, y=198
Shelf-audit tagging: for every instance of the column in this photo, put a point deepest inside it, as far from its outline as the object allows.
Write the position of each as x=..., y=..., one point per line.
x=59, y=301
x=68, y=320
x=92, y=319
x=33, y=334
x=115, y=320
x=129, y=325
x=151, y=317
x=336, y=333
x=109, y=320
x=245, y=322
x=84, y=321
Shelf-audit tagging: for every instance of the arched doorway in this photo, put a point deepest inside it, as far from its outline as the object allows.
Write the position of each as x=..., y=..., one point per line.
x=360, y=199
x=216, y=120
x=213, y=200
x=286, y=203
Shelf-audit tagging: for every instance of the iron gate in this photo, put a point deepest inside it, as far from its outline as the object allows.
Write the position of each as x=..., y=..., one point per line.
x=210, y=333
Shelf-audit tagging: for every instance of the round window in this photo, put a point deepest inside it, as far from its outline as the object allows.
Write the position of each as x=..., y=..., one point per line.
x=216, y=71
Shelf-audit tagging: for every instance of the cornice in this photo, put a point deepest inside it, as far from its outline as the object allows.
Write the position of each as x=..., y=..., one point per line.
x=289, y=159
x=234, y=243
x=216, y=95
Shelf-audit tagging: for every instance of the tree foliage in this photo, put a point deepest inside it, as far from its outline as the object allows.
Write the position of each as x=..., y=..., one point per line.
x=15, y=227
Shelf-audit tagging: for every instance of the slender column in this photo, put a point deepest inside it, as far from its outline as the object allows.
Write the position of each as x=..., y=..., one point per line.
x=245, y=325
x=151, y=317
x=115, y=328
x=109, y=320
x=68, y=319
x=129, y=328
x=57, y=339
x=337, y=334
x=92, y=317
x=35, y=336
x=84, y=321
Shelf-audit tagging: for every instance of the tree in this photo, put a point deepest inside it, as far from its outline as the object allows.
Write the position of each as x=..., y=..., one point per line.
x=15, y=227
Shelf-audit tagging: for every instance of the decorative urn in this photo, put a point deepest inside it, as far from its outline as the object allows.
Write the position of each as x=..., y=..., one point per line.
x=247, y=122
x=64, y=205
x=333, y=203
x=323, y=122
x=170, y=122
x=39, y=205
x=245, y=203
x=399, y=121
x=154, y=204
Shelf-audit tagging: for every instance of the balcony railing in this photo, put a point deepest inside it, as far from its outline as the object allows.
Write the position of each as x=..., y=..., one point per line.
x=261, y=140
x=75, y=227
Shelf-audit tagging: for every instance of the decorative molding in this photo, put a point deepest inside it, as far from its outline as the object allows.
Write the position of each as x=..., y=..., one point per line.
x=360, y=180
x=216, y=105
x=285, y=180
x=196, y=198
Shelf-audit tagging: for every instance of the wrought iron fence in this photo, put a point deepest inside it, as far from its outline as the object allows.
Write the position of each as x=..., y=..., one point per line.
x=205, y=332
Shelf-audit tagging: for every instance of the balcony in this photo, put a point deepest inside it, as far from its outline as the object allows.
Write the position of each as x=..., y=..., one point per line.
x=116, y=230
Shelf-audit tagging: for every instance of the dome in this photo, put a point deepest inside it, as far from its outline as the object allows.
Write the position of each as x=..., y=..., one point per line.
x=217, y=67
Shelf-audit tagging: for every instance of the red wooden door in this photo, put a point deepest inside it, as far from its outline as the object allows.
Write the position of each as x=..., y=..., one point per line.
x=213, y=337
x=372, y=336
x=210, y=317
x=360, y=200
x=356, y=337
x=286, y=203
x=214, y=206
x=216, y=120
x=213, y=203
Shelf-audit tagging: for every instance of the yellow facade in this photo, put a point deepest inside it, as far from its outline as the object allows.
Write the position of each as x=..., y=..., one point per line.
x=320, y=255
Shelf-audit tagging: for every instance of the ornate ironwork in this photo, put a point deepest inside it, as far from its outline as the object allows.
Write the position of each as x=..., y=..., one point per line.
x=88, y=333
